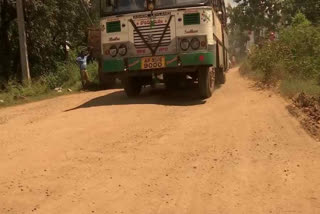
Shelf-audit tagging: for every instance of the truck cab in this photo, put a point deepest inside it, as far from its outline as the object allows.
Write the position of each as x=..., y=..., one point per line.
x=141, y=39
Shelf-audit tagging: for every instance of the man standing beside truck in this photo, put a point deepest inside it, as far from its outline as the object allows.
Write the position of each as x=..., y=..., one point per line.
x=82, y=62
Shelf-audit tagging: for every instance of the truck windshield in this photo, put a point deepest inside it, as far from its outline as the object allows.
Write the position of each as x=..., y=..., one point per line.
x=122, y=6
x=110, y=7
x=178, y=3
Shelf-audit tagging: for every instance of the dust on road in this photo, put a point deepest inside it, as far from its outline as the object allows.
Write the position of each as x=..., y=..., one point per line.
x=238, y=152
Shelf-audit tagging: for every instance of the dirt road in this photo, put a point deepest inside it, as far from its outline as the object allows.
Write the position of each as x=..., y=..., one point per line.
x=98, y=152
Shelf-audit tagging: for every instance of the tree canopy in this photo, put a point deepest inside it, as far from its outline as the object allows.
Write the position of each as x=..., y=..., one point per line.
x=49, y=25
x=267, y=15
x=271, y=14
x=310, y=8
x=254, y=15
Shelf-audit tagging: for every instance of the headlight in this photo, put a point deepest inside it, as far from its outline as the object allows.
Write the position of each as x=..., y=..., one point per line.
x=123, y=50
x=184, y=44
x=113, y=51
x=204, y=44
x=195, y=44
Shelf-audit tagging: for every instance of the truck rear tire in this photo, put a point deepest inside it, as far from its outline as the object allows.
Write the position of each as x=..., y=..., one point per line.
x=206, y=81
x=220, y=76
x=132, y=86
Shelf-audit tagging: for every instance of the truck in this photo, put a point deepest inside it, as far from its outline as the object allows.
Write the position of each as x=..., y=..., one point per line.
x=141, y=40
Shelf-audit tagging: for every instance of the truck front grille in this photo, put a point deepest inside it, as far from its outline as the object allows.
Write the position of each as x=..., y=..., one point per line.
x=152, y=35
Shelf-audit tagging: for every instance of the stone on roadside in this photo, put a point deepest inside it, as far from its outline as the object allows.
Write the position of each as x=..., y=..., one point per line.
x=59, y=89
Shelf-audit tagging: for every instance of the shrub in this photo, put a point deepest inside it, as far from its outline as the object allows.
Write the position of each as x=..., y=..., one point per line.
x=301, y=43
x=66, y=75
x=293, y=58
x=93, y=72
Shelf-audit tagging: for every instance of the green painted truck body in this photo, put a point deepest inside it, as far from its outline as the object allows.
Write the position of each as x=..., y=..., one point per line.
x=118, y=65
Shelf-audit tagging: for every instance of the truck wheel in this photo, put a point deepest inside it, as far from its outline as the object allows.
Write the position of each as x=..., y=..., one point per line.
x=132, y=86
x=220, y=76
x=106, y=81
x=206, y=81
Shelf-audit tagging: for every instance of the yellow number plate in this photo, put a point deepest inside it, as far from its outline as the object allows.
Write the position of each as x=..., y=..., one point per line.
x=153, y=62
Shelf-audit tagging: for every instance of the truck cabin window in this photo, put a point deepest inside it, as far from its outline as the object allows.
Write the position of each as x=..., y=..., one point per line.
x=127, y=6
x=122, y=6
x=177, y=3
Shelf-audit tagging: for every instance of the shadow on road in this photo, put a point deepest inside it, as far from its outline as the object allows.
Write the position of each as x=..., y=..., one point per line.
x=97, y=87
x=158, y=96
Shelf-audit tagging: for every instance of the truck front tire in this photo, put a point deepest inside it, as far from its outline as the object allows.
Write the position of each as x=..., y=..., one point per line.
x=206, y=79
x=132, y=86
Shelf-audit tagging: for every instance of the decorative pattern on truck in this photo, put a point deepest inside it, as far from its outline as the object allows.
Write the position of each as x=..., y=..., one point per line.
x=152, y=32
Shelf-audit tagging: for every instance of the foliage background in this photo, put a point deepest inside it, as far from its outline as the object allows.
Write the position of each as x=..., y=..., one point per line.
x=292, y=61
x=49, y=25
x=264, y=16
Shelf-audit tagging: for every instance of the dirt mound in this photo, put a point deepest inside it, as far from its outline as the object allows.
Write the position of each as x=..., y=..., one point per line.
x=307, y=109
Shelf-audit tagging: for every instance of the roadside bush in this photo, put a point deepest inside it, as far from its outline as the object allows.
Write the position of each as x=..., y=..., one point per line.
x=247, y=70
x=264, y=60
x=293, y=59
x=67, y=75
x=16, y=92
x=301, y=43
x=93, y=72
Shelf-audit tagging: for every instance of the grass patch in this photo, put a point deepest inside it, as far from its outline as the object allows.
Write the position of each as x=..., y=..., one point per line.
x=67, y=76
x=291, y=87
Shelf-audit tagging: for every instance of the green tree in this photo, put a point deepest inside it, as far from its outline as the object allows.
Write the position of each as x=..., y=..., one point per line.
x=256, y=15
x=294, y=55
x=263, y=16
x=49, y=25
x=7, y=35
x=310, y=8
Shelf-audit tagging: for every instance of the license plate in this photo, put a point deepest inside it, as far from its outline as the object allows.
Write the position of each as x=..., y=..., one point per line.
x=153, y=62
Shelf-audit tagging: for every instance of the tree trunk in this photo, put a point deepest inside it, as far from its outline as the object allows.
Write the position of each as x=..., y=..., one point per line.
x=5, y=50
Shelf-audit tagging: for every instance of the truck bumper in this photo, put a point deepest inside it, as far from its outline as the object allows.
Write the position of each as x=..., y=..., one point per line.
x=172, y=61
